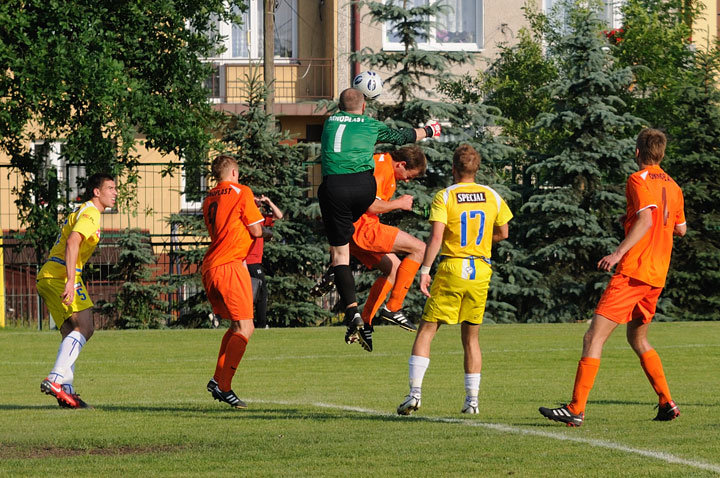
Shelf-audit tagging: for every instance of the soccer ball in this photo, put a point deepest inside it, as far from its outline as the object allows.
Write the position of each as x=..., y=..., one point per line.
x=369, y=83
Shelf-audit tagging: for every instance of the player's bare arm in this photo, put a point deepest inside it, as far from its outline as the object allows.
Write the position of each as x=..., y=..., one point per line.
x=500, y=233
x=255, y=230
x=72, y=247
x=277, y=213
x=434, y=244
x=636, y=232
x=404, y=203
x=680, y=229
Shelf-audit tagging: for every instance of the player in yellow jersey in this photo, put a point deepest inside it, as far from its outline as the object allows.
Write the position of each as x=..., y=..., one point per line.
x=467, y=218
x=60, y=284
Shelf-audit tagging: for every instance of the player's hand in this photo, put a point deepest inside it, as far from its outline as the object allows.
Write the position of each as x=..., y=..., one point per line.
x=425, y=280
x=432, y=129
x=404, y=202
x=68, y=294
x=607, y=262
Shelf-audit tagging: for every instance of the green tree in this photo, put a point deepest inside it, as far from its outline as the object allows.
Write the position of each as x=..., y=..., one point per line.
x=272, y=165
x=693, y=160
x=655, y=41
x=415, y=75
x=570, y=220
x=138, y=304
x=185, y=287
x=516, y=83
x=98, y=76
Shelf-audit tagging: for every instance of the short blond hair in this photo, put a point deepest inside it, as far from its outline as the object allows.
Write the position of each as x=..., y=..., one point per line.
x=221, y=166
x=466, y=160
x=651, y=146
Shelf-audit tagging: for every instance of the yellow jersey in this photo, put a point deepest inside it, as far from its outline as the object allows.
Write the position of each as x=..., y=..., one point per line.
x=469, y=212
x=85, y=220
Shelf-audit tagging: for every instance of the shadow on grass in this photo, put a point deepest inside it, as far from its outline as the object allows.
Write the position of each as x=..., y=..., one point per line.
x=219, y=412
x=11, y=406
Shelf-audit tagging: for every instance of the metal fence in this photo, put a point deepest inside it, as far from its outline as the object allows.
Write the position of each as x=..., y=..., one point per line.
x=157, y=196
x=148, y=207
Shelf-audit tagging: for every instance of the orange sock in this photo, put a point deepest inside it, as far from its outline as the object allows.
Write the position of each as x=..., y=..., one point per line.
x=404, y=279
x=221, y=354
x=652, y=365
x=584, y=380
x=233, y=354
x=376, y=297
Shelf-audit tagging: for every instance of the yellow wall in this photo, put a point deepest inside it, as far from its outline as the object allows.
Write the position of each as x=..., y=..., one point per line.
x=156, y=197
x=705, y=29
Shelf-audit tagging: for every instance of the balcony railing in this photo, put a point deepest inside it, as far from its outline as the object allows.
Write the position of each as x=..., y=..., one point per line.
x=296, y=80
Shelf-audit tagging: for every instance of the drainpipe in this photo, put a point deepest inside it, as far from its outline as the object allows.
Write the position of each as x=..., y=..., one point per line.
x=355, y=41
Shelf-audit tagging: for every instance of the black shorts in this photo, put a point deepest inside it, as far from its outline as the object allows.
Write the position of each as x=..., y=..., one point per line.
x=343, y=199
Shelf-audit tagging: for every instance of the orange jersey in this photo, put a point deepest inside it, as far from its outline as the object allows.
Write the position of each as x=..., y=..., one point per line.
x=385, y=179
x=649, y=259
x=229, y=209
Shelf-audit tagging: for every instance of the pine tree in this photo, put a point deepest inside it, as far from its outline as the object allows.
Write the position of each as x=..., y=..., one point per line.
x=693, y=160
x=138, y=304
x=570, y=220
x=416, y=73
x=271, y=165
x=516, y=84
x=185, y=283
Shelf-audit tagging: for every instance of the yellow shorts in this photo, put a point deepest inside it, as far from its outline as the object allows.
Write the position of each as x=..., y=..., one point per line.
x=458, y=292
x=51, y=290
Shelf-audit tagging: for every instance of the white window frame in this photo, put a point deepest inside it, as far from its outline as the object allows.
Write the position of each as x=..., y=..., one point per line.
x=255, y=7
x=433, y=45
x=56, y=160
x=611, y=10
x=188, y=205
x=613, y=15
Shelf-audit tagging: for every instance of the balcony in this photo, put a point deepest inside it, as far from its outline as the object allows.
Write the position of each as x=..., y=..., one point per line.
x=297, y=80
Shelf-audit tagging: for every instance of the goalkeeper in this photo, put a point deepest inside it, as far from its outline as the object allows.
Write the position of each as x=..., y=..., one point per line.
x=348, y=187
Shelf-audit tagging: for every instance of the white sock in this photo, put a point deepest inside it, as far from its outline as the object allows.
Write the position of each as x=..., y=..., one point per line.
x=472, y=385
x=417, y=366
x=68, y=353
x=67, y=383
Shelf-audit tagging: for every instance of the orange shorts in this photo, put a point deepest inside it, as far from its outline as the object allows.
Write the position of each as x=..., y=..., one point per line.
x=229, y=291
x=371, y=242
x=626, y=299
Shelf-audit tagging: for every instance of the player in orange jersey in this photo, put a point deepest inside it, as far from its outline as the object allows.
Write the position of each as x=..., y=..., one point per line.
x=654, y=214
x=233, y=221
x=376, y=245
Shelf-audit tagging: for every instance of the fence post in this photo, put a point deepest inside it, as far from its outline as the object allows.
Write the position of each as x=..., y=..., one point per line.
x=2, y=282
x=39, y=301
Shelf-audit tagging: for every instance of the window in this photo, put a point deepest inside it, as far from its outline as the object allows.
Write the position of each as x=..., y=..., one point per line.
x=610, y=10
x=457, y=28
x=194, y=187
x=245, y=41
x=51, y=152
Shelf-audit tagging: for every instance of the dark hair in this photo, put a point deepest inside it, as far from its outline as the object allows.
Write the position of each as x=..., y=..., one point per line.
x=95, y=181
x=414, y=158
x=221, y=164
x=651, y=146
x=351, y=100
x=466, y=160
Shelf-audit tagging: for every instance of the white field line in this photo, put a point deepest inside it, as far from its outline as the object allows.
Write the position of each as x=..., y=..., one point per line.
x=658, y=455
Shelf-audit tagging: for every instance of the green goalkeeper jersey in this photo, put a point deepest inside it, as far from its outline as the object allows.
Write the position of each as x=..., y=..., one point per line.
x=348, y=142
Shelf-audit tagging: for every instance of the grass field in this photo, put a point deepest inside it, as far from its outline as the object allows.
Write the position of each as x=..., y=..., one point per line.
x=318, y=407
